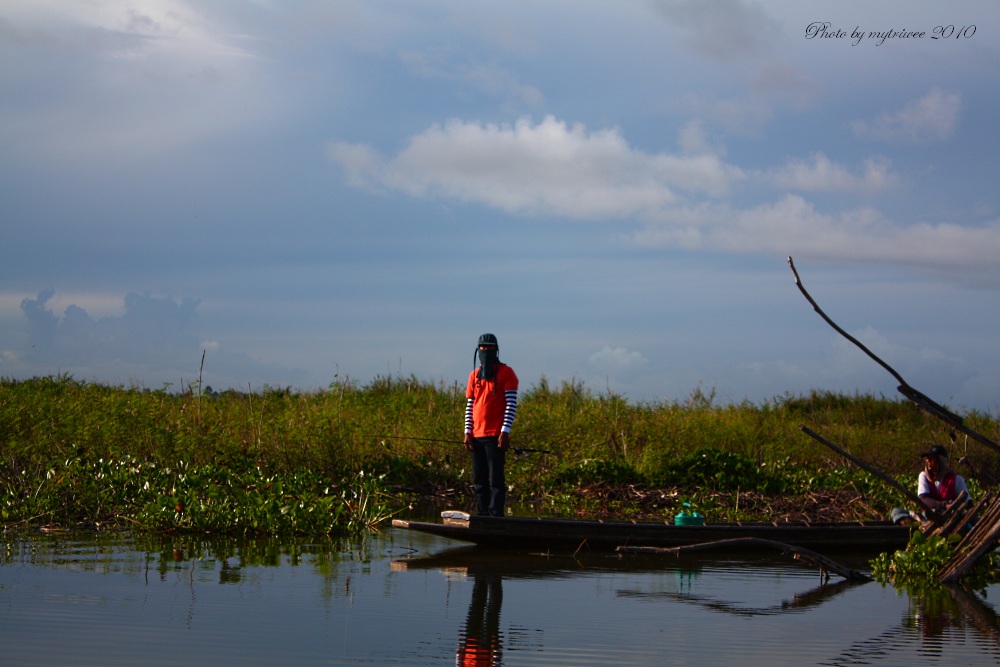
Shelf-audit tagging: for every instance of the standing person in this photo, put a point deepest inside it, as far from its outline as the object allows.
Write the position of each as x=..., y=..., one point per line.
x=491, y=402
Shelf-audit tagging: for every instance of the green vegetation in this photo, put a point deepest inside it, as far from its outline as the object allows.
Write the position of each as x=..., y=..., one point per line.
x=916, y=569
x=343, y=459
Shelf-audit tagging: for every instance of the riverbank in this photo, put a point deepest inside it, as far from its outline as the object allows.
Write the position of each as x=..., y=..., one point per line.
x=344, y=458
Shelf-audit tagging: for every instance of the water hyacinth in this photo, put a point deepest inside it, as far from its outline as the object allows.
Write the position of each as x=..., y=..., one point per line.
x=212, y=498
x=346, y=457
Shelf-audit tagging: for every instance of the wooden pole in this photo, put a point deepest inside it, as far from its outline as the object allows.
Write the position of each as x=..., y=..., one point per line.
x=921, y=400
x=866, y=466
x=961, y=564
x=987, y=518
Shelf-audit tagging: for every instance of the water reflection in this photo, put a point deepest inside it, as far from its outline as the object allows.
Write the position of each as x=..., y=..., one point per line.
x=798, y=603
x=481, y=642
x=938, y=618
x=400, y=599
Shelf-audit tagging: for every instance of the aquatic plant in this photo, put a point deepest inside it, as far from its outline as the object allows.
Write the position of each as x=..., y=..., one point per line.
x=65, y=447
x=234, y=497
x=916, y=568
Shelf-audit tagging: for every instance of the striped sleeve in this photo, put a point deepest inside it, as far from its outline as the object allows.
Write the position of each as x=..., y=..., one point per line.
x=510, y=410
x=468, y=415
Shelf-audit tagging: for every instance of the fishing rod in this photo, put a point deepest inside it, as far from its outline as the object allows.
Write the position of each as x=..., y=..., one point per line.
x=517, y=450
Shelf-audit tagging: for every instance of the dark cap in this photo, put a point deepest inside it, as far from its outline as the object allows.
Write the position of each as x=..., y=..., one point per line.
x=935, y=450
x=489, y=339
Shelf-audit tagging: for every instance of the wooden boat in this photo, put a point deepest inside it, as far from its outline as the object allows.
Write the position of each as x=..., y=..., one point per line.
x=572, y=534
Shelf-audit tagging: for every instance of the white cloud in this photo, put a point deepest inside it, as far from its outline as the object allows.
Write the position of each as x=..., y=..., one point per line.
x=820, y=174
x=98, y=304
x=548, y=168
x=121, y=29
x=617, y=358
x=794, y=226
x=361, y=163
x=124, y=80
x=932, y=118
x=551, y=168
x=152, y=340
x=693, y=140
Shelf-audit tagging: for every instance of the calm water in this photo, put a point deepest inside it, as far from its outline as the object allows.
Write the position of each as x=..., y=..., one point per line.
x=405, y=599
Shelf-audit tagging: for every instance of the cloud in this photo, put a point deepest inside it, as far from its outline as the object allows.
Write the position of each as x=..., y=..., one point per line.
x=793, y=226
x=151, y=330
x=94, y=82
x=154, y=340
x=931, y=119
x=545, y=168
x=617, y=358
x=723, y=30
x=488, y=77
x=934, y=371
x=744, y=116
x=778, y=77
x=123, y=30
x=820, y=174
x=551, y=168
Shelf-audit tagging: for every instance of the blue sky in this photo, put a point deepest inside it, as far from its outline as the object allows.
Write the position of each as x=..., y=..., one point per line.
x=312, y=191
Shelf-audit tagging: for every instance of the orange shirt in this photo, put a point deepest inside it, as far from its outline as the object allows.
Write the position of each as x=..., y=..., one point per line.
x=490, y=400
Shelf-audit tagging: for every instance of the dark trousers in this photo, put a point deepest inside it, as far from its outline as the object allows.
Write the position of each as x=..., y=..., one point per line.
x=488, y=477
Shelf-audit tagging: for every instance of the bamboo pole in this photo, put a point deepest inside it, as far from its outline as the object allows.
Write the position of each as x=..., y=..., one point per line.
x=957, y=515
x=867, y=466
x=957, y=568
x=921, y=400
x=987, y=519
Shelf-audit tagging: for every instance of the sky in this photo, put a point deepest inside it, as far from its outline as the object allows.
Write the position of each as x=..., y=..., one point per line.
x=308, y=192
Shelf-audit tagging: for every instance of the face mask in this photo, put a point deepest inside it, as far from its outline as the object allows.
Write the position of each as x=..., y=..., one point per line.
x=487, y=364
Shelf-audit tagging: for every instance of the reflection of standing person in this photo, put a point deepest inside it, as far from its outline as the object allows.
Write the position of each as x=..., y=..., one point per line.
x=491, y=402
x=481, y=644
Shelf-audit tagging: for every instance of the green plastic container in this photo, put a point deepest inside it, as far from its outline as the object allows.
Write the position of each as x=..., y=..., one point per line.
x=688, y=517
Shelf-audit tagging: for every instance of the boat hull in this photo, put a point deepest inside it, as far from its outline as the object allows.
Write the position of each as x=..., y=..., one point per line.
x=569, y=534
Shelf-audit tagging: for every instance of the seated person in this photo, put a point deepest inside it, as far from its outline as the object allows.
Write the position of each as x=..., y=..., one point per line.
x=938, y=486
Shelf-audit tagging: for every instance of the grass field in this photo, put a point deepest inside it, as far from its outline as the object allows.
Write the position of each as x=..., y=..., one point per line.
x=342, y=459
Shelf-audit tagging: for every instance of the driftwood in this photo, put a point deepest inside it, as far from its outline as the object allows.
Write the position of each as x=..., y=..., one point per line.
x=866, y=466
x=921, y=400
x=984, y=533
x=825, y=564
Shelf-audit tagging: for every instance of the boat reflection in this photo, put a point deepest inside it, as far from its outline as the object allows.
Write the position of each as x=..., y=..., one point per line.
x=932, y=625
x=481, y=640
x=514, y=565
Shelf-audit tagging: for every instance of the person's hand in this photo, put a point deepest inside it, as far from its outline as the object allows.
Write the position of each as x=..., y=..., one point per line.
x=504, y=441
x=468, y=441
